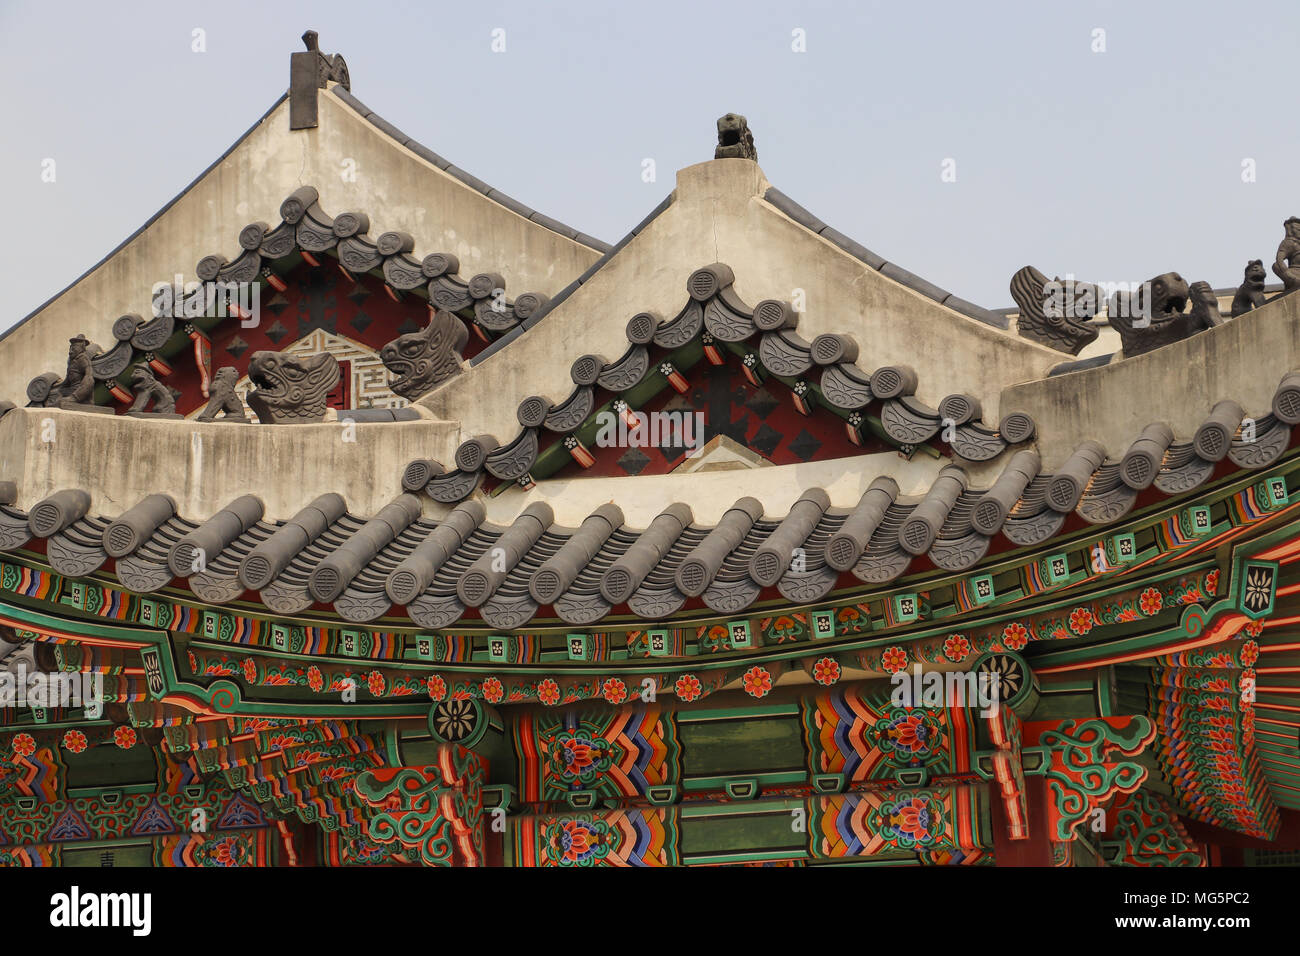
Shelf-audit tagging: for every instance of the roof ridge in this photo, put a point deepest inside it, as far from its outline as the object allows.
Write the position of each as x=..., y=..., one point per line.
x=306, y=229
x=151, y=220
x=398, y=554
x=345, y=96
x=900, y=275
x=714, y=311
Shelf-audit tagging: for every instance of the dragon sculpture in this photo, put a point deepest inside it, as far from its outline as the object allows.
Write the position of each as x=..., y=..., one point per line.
x=422, y=360
x=1055, y=312
x=1152, y=317
x=291, y=390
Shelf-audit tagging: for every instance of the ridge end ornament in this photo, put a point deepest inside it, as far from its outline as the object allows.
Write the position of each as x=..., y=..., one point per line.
x=421, y=361
x=735, y=141
x=1055, y=312
x=291, y=390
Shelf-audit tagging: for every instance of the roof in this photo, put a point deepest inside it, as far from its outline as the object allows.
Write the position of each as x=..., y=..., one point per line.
x=491, y=192
x=438, y=569
x=725, y=212
x=307, y=229
x=766, y=336
x=408, y=186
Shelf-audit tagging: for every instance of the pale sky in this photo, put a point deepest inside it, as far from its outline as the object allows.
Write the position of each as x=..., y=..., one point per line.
x=1114, y=166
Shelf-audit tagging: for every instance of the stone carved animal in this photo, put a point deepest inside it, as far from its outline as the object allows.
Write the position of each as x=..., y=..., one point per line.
x=1287, y=264
x=1205, y=312
x=1152, y=317
x=735, y=141
x=1053, y=312
x=423, y=360
x=1250, y=294
x=223, y=399
x=331, y=67
x=291, y=390
x=147, y=387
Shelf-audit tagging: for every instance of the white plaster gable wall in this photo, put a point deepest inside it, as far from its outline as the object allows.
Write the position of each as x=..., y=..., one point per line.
x=718, y=215
x=397, y=189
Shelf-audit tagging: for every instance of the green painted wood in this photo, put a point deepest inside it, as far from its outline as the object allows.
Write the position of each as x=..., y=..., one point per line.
x=715, y=837
x=110, y=767
x=742, y=746
x=776, y=779
x=110, y=854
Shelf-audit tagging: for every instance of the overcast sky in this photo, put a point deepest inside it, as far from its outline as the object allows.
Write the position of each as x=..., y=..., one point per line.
x=1114, y=166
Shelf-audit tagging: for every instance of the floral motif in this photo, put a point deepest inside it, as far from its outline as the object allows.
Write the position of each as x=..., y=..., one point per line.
x=894, y=659
x=577, y=758
x=826, y=671
x=436, y=686
x=758, y=681
x=75, y=741
x=716, y=639
x=614, y=690
x=1249, y=653
x=375, y=683
x=1245, y=684
x=227, y=852
x=455, y=719
x=577, y=843
x=911, y=821
x=1254, y=628
x=250, y=670
x=849, y=620
x=1212, y=582
x=1257, y=594
x=548, y=692
x=687, y=687
x=1151, y=602
x=493, y=691
x=956, y=648
x=1015, y=636
x=124, y=737
x=24, y=745
x=314, y=679
x=784, y=628
x=1081, y=620
x=907, y=733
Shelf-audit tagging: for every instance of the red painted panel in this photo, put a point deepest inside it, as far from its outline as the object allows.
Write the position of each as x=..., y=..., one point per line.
x=316, y=297
x=762, y=418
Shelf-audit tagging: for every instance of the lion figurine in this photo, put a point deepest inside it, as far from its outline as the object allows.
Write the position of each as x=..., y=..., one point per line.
x=222, y=398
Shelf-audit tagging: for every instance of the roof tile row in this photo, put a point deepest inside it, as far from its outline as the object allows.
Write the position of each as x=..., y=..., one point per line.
x=439, y=569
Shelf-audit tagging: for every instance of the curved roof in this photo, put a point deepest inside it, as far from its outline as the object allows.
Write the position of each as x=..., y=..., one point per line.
x=306, y=229
x=724, y=211
x=766, y=335
x=439, y=568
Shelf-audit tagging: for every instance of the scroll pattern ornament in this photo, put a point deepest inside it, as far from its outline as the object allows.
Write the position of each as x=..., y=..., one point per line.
x=436, y=812
x=1088, y=765
x=1149, y=833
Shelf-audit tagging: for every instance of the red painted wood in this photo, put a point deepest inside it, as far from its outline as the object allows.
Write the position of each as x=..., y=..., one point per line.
x=1037, y=850
x=763, y=419
x=315, y=297
x=1288, y=834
